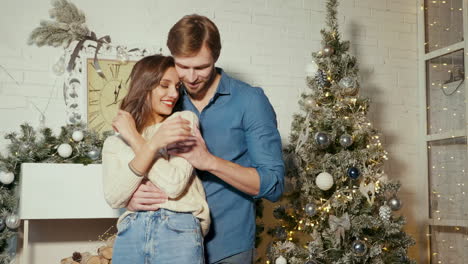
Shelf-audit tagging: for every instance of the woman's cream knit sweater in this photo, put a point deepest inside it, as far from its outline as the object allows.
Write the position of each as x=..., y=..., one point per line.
x=172, y=174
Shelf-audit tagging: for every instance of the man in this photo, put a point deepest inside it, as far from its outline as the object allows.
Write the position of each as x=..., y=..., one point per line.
x=240, y=159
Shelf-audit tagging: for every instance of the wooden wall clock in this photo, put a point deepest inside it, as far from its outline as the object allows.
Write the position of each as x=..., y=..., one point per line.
x=104, y=95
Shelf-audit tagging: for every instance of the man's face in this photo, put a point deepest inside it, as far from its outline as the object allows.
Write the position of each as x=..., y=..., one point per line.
x=196, y=72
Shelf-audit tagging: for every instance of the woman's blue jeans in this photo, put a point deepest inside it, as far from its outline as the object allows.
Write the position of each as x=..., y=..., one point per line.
x=162, y=237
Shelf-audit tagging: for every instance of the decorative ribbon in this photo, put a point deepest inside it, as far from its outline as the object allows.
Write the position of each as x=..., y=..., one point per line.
x=366, y=189
x=339, y=225
x=79, y=46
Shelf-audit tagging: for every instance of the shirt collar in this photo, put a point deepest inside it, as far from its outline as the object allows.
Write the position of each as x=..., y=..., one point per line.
x=223, y=85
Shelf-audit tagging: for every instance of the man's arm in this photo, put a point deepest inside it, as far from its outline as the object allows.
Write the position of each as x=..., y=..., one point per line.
x=265, y=179
x=242, y=178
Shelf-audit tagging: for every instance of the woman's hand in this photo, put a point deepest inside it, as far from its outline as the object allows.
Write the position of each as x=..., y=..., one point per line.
x=172, y=131
x=147, y=197
x=124, y=124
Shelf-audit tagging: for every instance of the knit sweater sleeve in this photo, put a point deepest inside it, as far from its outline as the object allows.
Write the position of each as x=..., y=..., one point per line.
x=119, y=181
x=172, y=173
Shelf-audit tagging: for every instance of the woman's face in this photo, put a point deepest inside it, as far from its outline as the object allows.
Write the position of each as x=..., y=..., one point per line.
x=165, y=95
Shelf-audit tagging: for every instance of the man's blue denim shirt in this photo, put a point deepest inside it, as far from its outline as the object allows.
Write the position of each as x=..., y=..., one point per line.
x=238, y=125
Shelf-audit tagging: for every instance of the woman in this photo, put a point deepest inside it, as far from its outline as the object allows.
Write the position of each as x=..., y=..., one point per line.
x=137, y=154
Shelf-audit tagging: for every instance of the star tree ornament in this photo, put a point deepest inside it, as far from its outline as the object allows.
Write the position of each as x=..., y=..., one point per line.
x=65, y=150
x=322, y=140
x=12, y=221
x=6, y=177
x=359, y=248
x=324, y=181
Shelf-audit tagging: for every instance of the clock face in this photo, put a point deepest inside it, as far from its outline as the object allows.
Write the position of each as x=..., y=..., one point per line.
x=106, y=94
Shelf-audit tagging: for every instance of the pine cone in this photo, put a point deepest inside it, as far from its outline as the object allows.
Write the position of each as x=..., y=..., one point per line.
x=385, y=212
x=76, y=256
x=322, y=79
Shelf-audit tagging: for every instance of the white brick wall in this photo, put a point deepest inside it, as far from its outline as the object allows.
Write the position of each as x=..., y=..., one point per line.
x=265, y=42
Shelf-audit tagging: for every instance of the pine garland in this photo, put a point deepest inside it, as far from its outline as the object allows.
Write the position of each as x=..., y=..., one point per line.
x=29, y=145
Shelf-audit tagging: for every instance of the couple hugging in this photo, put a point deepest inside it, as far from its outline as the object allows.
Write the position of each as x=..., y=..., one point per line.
x=190, y=199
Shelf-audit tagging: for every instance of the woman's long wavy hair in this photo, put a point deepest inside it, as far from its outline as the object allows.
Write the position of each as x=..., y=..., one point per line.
x=145, y=76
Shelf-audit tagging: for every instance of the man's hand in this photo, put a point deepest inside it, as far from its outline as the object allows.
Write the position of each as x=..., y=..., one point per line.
x=194, y=151
x=147, y=197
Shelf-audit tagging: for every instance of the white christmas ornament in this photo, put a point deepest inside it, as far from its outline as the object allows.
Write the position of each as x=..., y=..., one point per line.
x=78, y=136
x=311, y=68
x=324, y=181
x=6, y=177
x=281, y=260
x=65, y=150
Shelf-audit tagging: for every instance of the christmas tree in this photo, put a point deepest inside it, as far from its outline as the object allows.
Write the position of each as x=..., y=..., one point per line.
x=341, y=208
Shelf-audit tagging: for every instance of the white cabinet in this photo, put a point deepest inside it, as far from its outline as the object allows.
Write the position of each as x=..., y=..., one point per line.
x=61, y=191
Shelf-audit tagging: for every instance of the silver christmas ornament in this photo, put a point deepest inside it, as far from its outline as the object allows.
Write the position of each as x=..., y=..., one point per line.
x=328, y=50
x=12, y=221
x=346, y=82
x=394, y=203
x=310, y=209
x=385, y=212
x=65, y=150
x=346, y=140
x=359, y=248
x=309, y=103
x=94, y=154
x=74, y=117
x=322, y=139
x=349, y=85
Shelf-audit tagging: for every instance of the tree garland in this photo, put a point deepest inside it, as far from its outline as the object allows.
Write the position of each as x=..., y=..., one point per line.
x=41, y=146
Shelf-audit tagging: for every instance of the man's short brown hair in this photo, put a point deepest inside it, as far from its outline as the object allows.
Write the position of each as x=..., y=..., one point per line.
x=187, y=37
